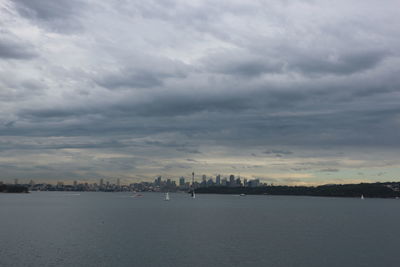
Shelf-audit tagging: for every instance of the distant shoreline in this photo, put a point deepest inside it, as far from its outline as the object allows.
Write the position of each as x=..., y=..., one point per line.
x=6, y=188
x=369, y=190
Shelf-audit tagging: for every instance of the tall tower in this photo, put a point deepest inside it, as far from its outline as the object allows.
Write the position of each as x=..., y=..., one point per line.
x=193, y=195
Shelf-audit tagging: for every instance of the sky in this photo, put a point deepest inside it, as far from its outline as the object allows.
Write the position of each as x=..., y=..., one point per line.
x=291, y=92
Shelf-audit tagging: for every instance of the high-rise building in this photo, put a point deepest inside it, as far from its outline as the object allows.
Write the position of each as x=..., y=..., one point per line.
x=158, y=181
x=203, y=181
x=224, y=182
x=254, y=183
x=182, y=181
x=101, y=182
x=232, y=180
x=15, y=181
x=218, y=180
x=118, y=182
x=238, y=182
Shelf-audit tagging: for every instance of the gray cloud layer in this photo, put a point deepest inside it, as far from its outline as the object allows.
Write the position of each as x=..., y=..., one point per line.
x=183, y=78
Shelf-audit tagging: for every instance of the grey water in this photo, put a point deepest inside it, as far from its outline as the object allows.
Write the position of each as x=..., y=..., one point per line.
x=116, y=229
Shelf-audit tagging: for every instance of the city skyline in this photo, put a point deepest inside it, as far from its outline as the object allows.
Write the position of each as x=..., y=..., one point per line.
x=218, y=179
x=289, y=92
x=157, y=185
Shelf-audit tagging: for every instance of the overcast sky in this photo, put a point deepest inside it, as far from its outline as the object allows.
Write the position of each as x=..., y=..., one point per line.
x=292, y=92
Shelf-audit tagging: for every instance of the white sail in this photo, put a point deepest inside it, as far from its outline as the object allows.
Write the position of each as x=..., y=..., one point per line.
x=167, y=196
x=362, y=196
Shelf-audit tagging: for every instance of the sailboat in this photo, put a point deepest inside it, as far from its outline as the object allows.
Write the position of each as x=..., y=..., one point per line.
x=167, y=196
x=362, y=196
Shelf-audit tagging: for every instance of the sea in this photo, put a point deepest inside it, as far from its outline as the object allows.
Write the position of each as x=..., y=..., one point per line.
x=127, y=229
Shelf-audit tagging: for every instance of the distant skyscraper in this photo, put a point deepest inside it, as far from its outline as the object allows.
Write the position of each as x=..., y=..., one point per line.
x=15, y=181
x=232, y=180
x=224, y=182
x=203, y=181
x=101, y=182
x=158, y=181
x=254, y=183
x=193, y=186
x=218, y=180
x=118, y=182
x=182, y=181
x=238, y=182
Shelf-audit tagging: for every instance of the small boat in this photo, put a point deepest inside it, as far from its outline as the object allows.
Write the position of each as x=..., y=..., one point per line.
x=362, y=196
x=242, y=195
x=167, y=196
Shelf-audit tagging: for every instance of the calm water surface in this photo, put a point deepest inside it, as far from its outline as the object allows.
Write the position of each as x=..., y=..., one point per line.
x=115, y=229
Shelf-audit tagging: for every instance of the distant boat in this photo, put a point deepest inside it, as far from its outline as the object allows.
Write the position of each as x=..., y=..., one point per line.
x=167, y=196
x=193, y=194
x=242, y=195
x=362, y=196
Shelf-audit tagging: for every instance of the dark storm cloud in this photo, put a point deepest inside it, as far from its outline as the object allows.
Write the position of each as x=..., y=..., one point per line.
x=61, y=15
x=60, y=144
x=180, y=80
x=142, y=72
x=138, y=79
x=350, y=127
x=326, y=62
x=188, y=150
x=242, y=63
x=11, y=47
